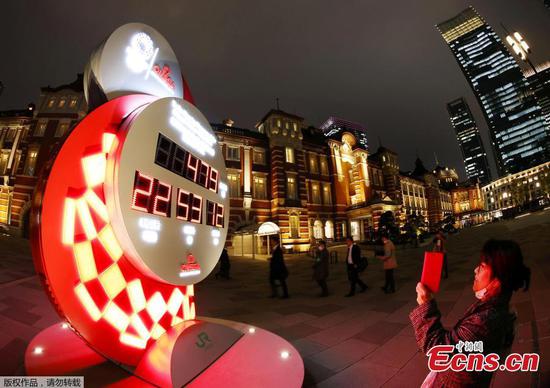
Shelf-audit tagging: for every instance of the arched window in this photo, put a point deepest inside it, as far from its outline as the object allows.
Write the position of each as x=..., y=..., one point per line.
x=329, y=230
x=318, y=230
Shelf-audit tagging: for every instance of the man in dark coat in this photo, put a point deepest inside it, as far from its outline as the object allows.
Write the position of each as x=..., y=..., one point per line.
x=353, y=257
x=320, y=267
x=277, y=269
x=225, y=265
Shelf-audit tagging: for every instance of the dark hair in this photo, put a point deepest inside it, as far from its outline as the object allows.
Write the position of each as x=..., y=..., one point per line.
x=350, y=238
x=506, y=261
x=322, y=242
x=385, y=235
x=274, y=238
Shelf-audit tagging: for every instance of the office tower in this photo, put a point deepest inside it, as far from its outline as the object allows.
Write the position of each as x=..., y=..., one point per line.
x=519, y=136
x=334, y=125
x=469, y=140
x=540, y=84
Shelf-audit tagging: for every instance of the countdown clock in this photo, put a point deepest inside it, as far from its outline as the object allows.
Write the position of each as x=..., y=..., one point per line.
x=166, y=192
x=132, y=212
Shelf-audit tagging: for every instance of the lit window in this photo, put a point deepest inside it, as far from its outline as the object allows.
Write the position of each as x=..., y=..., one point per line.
x=313, y=166
x=287, y=125
x=259, y=157
x=62, y=103
x=30, y=163
x=233, y=153
x=51, y=102
x=324, y=165
x=4, y=161
x=315, y=193
x=234, y=185
x=260, y=189
x=294, y=223
x=289, y=155
x=292, y=192
x=295, y=126
x=327, y=199
x=40, y=128
x=73, y=102
x=61, y=129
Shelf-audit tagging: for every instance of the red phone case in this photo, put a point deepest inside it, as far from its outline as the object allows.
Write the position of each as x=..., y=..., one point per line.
x=431, y=272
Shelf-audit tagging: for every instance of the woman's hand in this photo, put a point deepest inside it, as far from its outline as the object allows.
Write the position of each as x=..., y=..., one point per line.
x=423, y=295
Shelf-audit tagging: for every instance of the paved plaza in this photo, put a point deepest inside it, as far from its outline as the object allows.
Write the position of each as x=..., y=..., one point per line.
x=364, y=341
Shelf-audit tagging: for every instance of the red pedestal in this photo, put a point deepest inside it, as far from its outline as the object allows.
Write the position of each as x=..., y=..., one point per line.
x=250, y=357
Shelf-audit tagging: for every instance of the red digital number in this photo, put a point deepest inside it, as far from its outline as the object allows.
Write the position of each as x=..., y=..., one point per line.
x=219, y=215
x=213, y=180
x=192, y=167
x=204, y=175
x=196, y=209
x=143, y=187
x=215, y=214
x=182, y=211
x=161, y=205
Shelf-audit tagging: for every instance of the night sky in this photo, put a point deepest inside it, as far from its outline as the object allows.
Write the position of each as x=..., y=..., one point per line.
x=380, y=63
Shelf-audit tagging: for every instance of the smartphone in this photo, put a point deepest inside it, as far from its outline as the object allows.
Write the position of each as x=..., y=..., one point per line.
x=431, y=272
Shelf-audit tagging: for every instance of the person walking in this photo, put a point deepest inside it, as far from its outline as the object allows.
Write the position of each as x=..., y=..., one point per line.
x=277, y=269
x=320, y=267
x=498, y=275
x=439, y=245
x=389, y=261
x=225, y=265
x=352, y=262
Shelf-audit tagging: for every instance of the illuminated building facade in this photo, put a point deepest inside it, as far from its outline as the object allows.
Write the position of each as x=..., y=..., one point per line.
x=14, y=128
x=300, y=182
x=58, y=109
x=469, y=140
x=526, y=188
x=516, y=124
x=468, y=204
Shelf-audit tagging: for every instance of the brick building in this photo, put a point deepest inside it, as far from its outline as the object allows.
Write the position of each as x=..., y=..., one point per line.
x=284, y=177
x=39, y=132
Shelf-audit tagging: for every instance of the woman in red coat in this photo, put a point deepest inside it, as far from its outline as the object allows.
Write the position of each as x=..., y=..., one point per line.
x=500, y=272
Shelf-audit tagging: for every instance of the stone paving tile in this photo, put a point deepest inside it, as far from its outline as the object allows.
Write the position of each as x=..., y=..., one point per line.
x=293, y=319
x=344, y=330
x=411, y=375
x=361, y=374
x=307, y=347
x=396, y=352
x=380, y=332
x=344, y=354
x=294, y=332
x=315, y=373
x=389, y=305
x=335, y=318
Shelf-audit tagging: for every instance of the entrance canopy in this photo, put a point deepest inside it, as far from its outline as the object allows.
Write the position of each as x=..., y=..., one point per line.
x=268, y=228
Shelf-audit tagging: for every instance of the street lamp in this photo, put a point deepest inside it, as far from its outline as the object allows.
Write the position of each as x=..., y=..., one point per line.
x=520, y=46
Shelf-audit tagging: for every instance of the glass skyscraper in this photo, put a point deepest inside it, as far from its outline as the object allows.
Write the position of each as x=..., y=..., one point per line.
x=519, y=136
x=469, y=140
x=540, y=84
x=334, y=126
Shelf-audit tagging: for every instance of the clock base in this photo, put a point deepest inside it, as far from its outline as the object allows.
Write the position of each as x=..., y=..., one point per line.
x=206, y=352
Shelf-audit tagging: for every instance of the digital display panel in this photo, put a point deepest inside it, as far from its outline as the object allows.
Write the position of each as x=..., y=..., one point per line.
x=167, y=192
x=183, y=163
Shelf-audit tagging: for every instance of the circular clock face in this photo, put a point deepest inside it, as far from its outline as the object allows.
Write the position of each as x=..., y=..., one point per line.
x=166, y=192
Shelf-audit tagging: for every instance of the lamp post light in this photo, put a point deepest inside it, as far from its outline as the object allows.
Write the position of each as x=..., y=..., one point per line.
x=519, y=46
